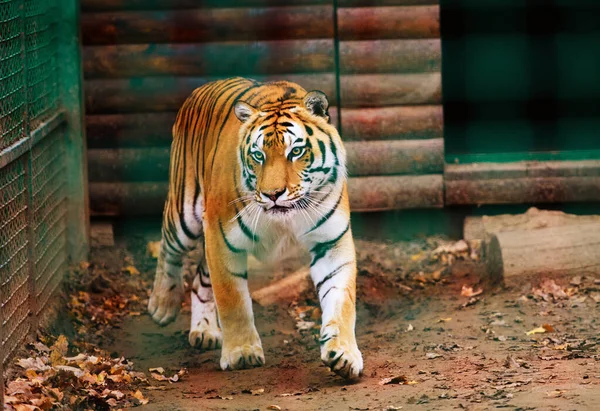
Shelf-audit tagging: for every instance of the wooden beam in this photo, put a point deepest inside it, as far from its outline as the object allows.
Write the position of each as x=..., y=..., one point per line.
x=159, y=94
x=390, y=56
x=400, y=22
x=154, y=129
x=383, y=3
x=523, y=182
x=366, y=194
x=377, y=90
x=119, y=5
x=205, y=25
x=389, y=123
x=216, y=59
x=364, y=159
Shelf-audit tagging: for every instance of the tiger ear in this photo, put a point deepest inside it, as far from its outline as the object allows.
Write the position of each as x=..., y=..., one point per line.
x=316, y=103
x=243, y=111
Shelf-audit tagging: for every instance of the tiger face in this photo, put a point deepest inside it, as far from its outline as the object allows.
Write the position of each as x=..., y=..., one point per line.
x=290, y=156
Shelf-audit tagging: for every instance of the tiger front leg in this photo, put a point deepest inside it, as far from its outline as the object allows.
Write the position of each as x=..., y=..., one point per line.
x=333, y=271
x=241, y=347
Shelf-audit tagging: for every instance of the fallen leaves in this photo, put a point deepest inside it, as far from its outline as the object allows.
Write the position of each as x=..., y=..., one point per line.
x=50, y=379
x=469, y=292
x=398, y=380
x=153, y=248
x=546, y=328
x=157, y=374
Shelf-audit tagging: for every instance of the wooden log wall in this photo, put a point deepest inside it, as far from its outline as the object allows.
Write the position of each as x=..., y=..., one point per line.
x=142, y=58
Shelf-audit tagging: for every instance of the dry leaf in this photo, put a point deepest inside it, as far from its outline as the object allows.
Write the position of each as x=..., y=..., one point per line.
x=131, y=270
x=444, y=320
x=399, y=379
x=140, y=397
x=153, y=248
x=432, y=355
x=274, y=407
x=159, y=370
x=410, y=327
x=546, y=328
x=257, y=391
x=468, y=291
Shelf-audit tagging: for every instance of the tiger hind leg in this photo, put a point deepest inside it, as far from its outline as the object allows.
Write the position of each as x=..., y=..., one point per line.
x=168, y=290
x=204, y=328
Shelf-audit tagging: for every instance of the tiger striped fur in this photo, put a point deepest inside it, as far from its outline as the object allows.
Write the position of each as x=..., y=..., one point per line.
x=254, y=165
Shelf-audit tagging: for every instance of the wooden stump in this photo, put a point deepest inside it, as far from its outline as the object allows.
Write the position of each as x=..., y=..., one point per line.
x=537, y=244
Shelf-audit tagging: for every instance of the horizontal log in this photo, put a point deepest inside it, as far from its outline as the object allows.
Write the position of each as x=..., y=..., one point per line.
x=523, y=190
x=404, y=22
x=381, y=3
x=159, y=94
x=364, y=159
x=374, y=158
x=217, y=59
x=392, y=123
x=523, y=182
x=120, y=5
x=204, y=25
x=154, y=129
x=377, y=90
x=366, y=194
x=129, y=130
x=390, y=56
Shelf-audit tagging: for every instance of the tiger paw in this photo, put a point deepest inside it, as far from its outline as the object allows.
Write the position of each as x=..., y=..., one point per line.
x=205, y=337
x=342, y=357
x=243, y=356
x=165, y=301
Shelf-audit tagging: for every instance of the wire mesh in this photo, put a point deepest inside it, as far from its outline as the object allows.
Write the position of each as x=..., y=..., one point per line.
x=14, y=289
x=41, y=53
x=49, y=215
x=12, y=77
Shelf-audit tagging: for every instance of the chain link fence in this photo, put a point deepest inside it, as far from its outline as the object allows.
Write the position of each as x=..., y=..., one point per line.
x=40, y=141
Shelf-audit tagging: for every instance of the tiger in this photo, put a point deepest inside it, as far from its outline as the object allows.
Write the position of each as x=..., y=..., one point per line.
x=254, y=165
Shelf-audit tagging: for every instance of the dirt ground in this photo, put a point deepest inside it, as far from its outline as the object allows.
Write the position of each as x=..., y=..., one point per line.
x=446, y=350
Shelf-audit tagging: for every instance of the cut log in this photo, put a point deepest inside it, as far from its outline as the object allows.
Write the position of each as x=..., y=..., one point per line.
x=286, y=290
x=205, y=25
x=138, y=130
x=210, y=59
x=377, y=90
x=156, y=94
x=364, y=159
x=478, y=227
x=523, y=182
x=561, y=246
x=114, y=5
x=372, y=23
x=390, y=56
x=366, y=194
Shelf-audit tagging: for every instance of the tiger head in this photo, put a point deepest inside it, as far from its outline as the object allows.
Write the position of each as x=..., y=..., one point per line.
x=291, y=158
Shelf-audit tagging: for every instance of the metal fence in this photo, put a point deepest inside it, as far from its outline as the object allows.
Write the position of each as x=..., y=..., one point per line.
x=42, y=173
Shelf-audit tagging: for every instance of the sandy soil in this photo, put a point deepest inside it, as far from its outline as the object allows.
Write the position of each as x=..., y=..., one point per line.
x=412, y=323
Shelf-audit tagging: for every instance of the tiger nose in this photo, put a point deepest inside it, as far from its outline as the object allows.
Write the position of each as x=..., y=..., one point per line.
x=273, y=195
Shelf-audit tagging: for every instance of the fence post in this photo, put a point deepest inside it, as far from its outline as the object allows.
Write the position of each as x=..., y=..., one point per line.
x=71, y=80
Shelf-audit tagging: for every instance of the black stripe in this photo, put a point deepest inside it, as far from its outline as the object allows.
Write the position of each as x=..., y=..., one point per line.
x=321, y=249
x=327, y=292
x=323, y=151
x=247, y=232
x=227, y=243
x=326, y=216
x=243, y=275
x=309, y=130
x=331, y=275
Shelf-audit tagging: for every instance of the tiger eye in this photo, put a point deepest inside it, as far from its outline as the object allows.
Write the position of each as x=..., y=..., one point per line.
x=296, y=151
